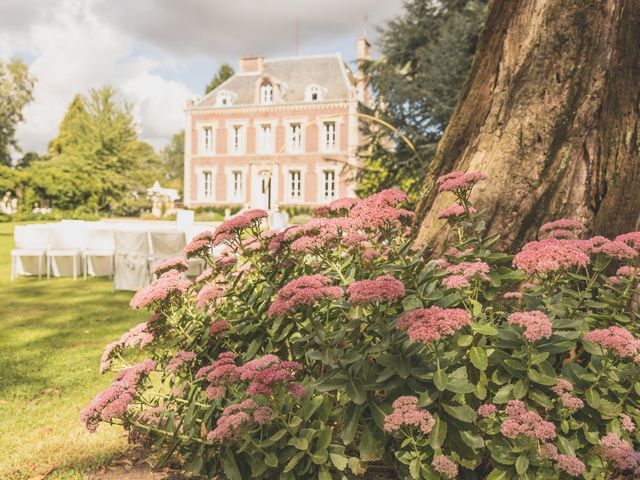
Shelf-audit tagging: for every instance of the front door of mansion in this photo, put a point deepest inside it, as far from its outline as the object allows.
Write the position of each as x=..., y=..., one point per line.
x=261, y=197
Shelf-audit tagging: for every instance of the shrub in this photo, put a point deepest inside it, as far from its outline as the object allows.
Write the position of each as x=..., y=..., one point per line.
x=341, y=349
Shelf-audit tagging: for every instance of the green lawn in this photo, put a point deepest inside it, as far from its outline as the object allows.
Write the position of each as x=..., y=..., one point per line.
x=51, y=338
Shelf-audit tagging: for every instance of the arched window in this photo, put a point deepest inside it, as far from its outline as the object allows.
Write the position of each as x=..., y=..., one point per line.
x=266, y=93
x=313, y=93
x=223, y=99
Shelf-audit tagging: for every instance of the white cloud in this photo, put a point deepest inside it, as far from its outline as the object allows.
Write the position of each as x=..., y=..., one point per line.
x=73, y=50
x=159, y=106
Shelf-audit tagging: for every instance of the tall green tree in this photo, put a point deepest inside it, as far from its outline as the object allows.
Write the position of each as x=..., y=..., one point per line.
x=172, y=159
x=426, y=55
x=550, y=114
x=225, y=71
x=16, y=91
x=96, y=161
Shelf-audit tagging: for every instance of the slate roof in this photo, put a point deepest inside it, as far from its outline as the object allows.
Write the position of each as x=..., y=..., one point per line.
x=291, y=76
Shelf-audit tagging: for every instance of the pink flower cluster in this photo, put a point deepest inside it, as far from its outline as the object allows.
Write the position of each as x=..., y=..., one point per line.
x=207, y=274
x=236, y=418
x=217, y=327
x=208, y=293
x=138, y=335
x=178, y=360
x=305, y=290
x=382, y=289
x=562, y=224
x=429, y=325
x=267, y=372
x=548, y=450
x=620, y=453
x=486, y=410
x=115, y=400
x=445, y=466
x=197, y=248
x=379, y=211
x=563, y=389
x=220, y=374
x=521, y=421
x=461, y=274
x=407, y=413
x=457, y=181
x=550, y=255
x=536, y=324
x=168, y=286
x=631, y=238
x=571, y=465
x=230, y=229
x=627, y=271
x=454, y=212
x=318, y=234
x=626, y=423
x=338, y=206
x=616, y=340
x=615, y=249
x=178, y=264
x=264, y=374
x=226, y=260
x=567, y=463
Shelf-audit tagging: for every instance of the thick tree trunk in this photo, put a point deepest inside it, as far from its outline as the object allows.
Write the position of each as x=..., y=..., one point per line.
x=550, y=112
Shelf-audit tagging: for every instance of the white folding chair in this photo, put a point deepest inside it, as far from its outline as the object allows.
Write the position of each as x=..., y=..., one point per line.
x=131, y=260
x=30, y=241
x=65, y=241
x=99, y=244
x=165, y=245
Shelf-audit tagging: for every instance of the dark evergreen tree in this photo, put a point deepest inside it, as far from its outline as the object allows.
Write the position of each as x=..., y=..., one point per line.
x=225, y=71
x=426, y=55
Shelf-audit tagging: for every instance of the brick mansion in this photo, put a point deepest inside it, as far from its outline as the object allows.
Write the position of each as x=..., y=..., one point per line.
x=281, y=132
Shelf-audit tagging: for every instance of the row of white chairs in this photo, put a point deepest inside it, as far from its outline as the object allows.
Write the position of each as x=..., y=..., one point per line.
x=127, y=251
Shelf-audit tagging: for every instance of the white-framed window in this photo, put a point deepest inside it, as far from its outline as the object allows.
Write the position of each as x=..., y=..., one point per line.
x=206, y=140
x=265, y=138
x=328, y=140
x=266, y=93
x=294, y=140
x=328, y=184
x=236, y=139
x=205, y=192
x=295, y=185
x=237, y=186
x=223, y=99
x=313, y=93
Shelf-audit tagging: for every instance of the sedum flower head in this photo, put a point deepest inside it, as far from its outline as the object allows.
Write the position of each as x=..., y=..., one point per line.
x=382, y=289
x=407, y=413
x=523, y=422
x=445, y=466
x=305, y=290
x=616, y=340
x=536, y=324
x=168, y=286
x=428, y=325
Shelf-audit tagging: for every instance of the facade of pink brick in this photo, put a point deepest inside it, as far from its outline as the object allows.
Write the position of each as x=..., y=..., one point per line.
x=296, y=149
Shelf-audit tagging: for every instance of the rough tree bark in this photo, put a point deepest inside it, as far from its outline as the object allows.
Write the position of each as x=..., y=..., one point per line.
x=550, y=112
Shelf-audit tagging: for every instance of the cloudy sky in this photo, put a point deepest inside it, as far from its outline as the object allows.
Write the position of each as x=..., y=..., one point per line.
x=159, y=53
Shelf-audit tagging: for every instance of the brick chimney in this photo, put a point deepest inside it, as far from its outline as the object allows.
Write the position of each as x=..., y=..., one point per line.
x=251, y=64
x=363, y=49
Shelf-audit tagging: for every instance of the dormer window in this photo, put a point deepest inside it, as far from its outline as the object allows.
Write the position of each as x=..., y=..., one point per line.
x=266, y=93
x=313, y=93
x=223, y=99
